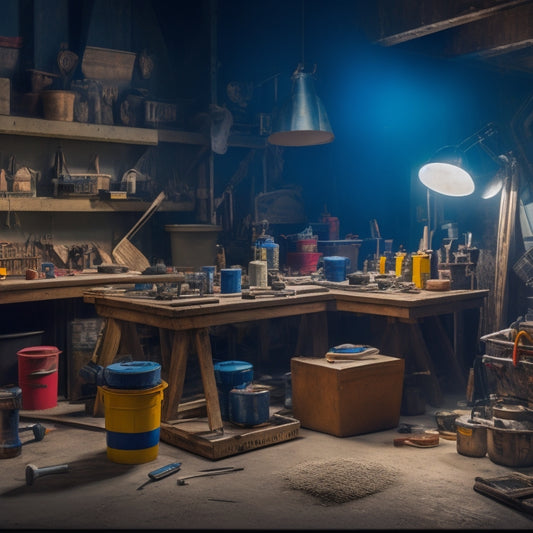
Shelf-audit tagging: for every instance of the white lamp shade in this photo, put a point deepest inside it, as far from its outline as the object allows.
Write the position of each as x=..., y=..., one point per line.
x=447, y=179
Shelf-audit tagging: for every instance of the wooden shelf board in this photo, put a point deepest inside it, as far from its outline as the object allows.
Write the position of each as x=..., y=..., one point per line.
x=39, y=204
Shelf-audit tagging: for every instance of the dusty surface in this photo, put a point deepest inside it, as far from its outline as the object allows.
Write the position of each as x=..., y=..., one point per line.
x=434, y=488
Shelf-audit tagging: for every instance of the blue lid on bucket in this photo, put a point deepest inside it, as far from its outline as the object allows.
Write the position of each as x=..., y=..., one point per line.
x=133, y=375
x=233, y=374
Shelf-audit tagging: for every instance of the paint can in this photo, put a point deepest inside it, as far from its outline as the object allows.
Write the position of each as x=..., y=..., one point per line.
x=10, y=404
x=230, y=280
x=210, y=276
x=258, y=273
x=471, y=437
x=335, y=268
x=249, y=406
x=231, y=375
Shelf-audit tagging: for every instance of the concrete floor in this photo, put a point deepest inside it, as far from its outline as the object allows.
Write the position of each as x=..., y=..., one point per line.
x=434, y=489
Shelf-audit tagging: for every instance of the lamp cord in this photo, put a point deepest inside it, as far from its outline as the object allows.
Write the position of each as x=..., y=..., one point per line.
x=303, y=32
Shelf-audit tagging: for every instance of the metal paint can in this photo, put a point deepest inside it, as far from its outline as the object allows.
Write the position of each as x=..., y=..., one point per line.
x=249, y=406
x=471, y=437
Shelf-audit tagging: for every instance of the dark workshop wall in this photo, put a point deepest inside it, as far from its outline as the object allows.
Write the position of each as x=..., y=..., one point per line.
x=390, y=111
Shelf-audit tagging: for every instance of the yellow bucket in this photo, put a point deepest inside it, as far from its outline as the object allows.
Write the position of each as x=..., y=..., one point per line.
x=132, y=423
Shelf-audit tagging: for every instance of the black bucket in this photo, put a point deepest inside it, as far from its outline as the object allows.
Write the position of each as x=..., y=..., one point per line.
x=10, y=344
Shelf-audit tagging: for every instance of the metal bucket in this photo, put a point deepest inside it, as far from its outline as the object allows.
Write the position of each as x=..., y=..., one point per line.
x=471, y=437
x=510, y=447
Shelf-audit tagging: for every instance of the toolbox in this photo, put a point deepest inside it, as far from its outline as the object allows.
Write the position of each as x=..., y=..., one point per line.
x=346, y=398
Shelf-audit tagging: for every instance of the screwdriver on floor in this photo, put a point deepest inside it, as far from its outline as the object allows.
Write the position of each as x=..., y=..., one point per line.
x=160, y=473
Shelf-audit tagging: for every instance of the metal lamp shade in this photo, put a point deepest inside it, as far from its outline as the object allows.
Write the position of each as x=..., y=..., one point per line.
x=445, y=173
x=302, y=120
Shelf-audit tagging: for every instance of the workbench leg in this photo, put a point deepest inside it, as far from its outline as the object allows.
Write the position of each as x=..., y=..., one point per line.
x=176, y=374
x=203, y=350
x=130, y=341
x=423, y=359
x=313, y=335
x=106, y=355
x=110, y=343
x=446, y=348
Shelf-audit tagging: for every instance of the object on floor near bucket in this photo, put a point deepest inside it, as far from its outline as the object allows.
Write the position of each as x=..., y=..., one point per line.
x=510, y=447
x=471, y=437
x=347, y=397
x=249, y=406
x=10, y=403
x=446, y=420
x=133, y=375
x=38, y=376
x=231, y=375
x=132, y=423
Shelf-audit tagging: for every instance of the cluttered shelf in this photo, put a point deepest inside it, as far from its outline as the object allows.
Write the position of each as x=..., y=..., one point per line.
x=85, y=204
x=37, y=127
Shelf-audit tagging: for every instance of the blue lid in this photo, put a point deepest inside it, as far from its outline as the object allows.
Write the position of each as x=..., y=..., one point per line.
x=232, y=366
x=133, y=367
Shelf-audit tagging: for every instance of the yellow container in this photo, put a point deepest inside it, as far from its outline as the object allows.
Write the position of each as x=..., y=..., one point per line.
x=132, y=423
x=399, y=264
x=421, y=270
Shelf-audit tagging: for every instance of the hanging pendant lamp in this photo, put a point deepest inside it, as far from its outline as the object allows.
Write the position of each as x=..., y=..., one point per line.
x=302, y=120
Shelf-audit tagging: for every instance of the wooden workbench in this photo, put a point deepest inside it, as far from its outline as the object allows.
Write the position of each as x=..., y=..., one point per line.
x=184, y=326
x=16, y=289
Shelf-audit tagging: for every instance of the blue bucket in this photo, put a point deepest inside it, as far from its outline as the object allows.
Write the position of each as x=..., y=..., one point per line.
x=231, y=375
x=249, y=406
x=335, y=267
x=230, y=280
x=133, y=375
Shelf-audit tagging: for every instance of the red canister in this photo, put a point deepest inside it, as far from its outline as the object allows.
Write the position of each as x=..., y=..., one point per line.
x=38, y=376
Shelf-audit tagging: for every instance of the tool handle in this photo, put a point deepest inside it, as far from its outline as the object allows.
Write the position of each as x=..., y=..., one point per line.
x=164, y=471
x=147, y=214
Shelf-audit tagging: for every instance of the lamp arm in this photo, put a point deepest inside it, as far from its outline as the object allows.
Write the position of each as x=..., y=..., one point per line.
x=477, y=137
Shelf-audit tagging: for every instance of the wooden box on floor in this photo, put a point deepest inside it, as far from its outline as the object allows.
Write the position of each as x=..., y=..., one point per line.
x=347, y=398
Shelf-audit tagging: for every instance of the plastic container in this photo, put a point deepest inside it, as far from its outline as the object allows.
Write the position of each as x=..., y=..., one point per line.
x=231, y=375
x=230, y=280
x=133, y=375
x=10, y=403
x=303, y=262
x=193, y=245
x=335, y=268
x=132, y=423
x=38, y=376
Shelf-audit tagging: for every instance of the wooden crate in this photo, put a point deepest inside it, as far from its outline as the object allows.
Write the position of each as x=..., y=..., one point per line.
x=194, y=435
x=347, y=398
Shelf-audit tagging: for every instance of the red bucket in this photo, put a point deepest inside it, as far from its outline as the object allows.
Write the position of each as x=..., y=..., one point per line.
x=38, y=376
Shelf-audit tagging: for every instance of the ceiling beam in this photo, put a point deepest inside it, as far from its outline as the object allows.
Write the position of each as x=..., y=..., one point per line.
x=510, y=31
x=404, y=20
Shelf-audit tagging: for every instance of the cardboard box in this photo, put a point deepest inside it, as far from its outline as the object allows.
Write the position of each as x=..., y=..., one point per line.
x=347, y=398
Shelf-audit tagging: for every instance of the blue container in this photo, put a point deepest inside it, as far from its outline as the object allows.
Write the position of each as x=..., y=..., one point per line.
x=210, y=273
x=231, y=375
x=133, y=375
x=10, y=404
x=335, y=267
x=230, y=280
x=249, y=406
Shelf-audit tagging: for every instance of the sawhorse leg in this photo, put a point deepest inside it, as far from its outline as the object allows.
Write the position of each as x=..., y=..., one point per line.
x=176, y=375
